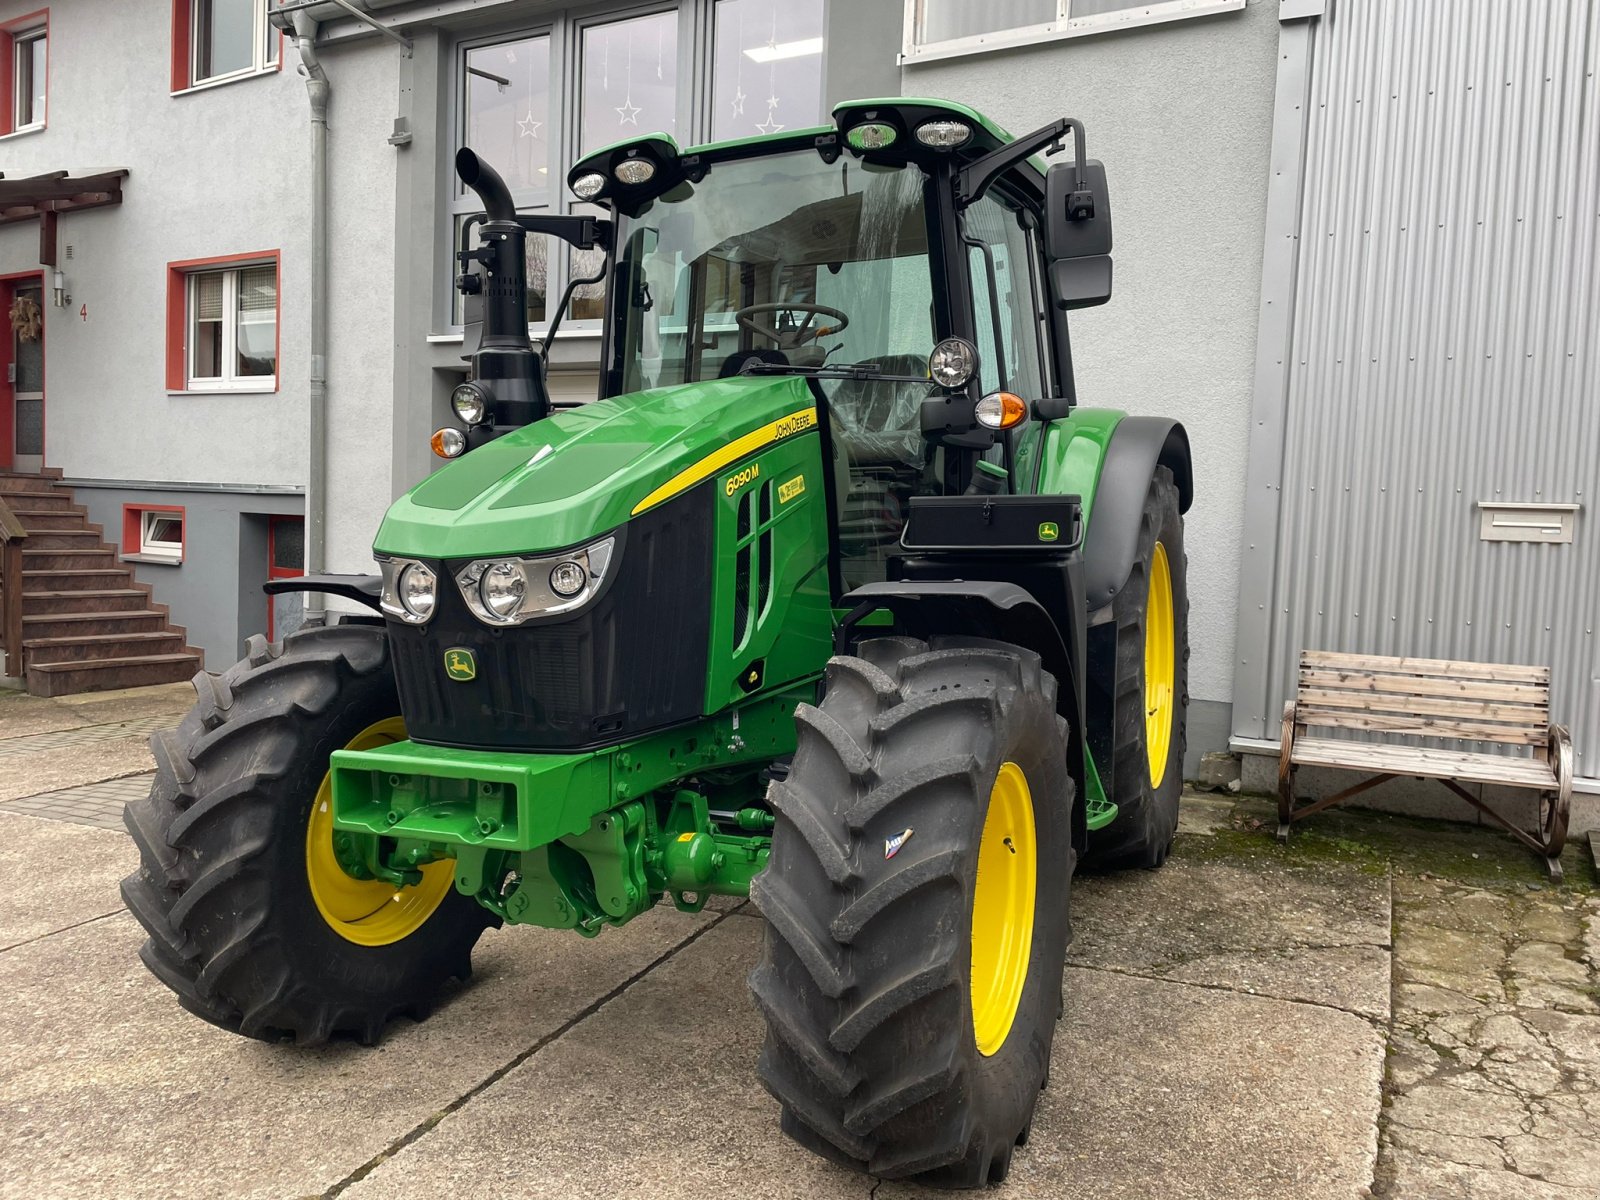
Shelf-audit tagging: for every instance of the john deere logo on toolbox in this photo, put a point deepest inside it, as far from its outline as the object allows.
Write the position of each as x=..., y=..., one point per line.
x=1049, y=531
x=739, y=478
x=788, y=491
x=460, y=664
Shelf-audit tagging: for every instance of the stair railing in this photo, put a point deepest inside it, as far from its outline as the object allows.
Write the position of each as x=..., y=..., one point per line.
x=12, y=535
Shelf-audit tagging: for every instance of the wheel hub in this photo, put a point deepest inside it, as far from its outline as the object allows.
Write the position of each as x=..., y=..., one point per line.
x=1160, y=665
x=1002, y=909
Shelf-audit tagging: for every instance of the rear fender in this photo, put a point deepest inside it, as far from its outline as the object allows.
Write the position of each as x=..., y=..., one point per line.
x=986, y=609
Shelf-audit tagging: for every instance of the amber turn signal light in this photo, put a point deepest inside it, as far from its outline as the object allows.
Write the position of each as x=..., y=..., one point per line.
x=448, y=442
x=1001, y=410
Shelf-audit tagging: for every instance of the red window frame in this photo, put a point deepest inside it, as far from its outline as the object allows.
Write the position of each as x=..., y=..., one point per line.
x=273, y=570
x=178, y=315
x=133, y=534
x=9, y=30
x=183, y=49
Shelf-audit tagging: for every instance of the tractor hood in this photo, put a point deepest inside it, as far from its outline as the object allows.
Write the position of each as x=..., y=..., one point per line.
x=578, y=473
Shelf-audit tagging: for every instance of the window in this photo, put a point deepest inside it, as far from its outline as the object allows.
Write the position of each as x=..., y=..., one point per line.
x=24, y=63
x=945, y=28
x=217, y=40
x=535, y=101
x=152, y=532
x=766, y=67
x=1002, y=262
x=222, y=325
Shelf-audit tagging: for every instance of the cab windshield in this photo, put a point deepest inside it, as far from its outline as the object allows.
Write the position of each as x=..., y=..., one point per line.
x=784, y=259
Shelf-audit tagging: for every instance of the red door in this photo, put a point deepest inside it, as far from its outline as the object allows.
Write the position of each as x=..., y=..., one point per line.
x=22, y=373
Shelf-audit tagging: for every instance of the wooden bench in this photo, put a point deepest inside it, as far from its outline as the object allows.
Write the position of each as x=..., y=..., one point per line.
x=1486, y=703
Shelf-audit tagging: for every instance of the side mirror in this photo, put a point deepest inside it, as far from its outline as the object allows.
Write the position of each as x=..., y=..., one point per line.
x=1077, y=234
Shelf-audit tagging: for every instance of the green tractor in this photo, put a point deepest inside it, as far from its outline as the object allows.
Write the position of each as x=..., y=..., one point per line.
x=836, y=599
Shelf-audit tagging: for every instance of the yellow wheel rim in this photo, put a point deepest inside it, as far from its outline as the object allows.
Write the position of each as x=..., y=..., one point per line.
x=1002, y=909
x=368, y=912
x=1160, y=655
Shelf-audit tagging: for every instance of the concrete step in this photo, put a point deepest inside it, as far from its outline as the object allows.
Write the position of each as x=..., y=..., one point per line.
x=66, y=678
x=46, y=558
x=99, y=646
x=80, y=624
x=56, y=501
x=101, y=600
x=10, y=484
x=63, y=539
x=77, y=580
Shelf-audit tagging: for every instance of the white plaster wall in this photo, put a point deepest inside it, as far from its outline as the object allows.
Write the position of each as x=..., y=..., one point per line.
x=1181, y=114
x=361, y=282
x=212, y=172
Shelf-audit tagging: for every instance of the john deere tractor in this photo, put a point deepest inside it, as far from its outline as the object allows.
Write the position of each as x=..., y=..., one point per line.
x=835, y=598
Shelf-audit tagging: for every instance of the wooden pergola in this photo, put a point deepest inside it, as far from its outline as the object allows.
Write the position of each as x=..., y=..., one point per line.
x=45, y=197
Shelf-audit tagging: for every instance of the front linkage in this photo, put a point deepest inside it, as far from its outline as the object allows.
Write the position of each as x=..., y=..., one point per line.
x=573, y=841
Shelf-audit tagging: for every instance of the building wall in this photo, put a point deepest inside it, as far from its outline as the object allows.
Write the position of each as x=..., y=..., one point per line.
x=1444, y=351
x=211, y=172
x=215, y=593
x=1181, y=114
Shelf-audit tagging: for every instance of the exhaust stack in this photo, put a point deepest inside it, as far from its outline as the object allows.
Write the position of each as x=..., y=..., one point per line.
x=505, y=361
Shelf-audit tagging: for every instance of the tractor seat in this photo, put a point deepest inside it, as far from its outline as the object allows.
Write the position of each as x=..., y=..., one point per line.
x=879, y=422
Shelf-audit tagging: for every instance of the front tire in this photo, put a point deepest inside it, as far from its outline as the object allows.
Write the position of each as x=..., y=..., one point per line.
x=916, y=899
x=251, y=920
x=1151, y=690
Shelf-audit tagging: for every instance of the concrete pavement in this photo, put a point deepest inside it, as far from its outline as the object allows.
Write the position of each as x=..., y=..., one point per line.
x=1372, y=1011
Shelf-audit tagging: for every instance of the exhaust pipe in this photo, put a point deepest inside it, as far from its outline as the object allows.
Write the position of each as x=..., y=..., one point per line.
x=505, y=362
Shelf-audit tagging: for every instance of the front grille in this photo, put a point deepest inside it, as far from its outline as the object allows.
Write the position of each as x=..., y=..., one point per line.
x=632, y=661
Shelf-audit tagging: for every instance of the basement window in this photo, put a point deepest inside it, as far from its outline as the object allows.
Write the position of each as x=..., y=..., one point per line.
x=152, y=534
x=938, y=29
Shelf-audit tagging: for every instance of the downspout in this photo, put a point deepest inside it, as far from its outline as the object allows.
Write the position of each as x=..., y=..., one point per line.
x=318, y=88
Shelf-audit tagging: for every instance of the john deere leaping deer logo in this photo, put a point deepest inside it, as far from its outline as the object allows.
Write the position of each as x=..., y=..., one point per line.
x=460, y=664
x=1049, y=531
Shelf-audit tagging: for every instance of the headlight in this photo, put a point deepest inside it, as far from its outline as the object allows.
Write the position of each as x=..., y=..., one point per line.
x=953, y=362
x=410, y=590
x=587, y=187
x=635, y=170
x=509, y=591
x=944, y=134
x=470, y=404
x=502, y=588
x=448, y=442
x=567, y=579
x=872, y=135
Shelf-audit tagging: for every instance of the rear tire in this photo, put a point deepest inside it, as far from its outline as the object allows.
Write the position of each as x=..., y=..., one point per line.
x=906, y=770
x=223, y=886
x=1145, y=787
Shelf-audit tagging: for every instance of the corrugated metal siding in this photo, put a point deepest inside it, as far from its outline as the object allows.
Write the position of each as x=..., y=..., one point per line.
x=1445, y=336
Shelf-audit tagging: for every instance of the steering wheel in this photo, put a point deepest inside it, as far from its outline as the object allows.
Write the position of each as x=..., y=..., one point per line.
x=793, y=336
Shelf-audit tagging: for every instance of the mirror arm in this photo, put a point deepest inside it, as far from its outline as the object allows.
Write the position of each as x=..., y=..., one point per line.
x=976, y=177
x=561, y=309
x=583, y=232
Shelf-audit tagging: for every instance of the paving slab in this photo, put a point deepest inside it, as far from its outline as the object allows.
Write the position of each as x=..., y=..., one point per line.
x=54, y=875
x=1157, y=1089
x=50, y=770
x=1275, y=929
x=111, y=1089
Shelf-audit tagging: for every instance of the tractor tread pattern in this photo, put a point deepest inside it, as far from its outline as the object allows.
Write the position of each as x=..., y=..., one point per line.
x=866, y=1018
x=207, y=890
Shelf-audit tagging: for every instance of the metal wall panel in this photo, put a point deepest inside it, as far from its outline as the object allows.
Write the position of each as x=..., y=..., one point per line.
x=1442, y=350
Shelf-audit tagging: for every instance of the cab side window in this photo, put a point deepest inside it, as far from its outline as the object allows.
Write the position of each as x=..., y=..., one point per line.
x=1001, y=260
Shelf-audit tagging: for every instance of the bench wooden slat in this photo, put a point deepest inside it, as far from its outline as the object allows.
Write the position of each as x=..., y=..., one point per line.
x=1417, y=760
x=1311, y=701
x=1509, y=672
x=1408, y=685
x=1430, y=727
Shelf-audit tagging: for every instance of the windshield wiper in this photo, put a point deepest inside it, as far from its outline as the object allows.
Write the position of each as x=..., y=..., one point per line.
x=864, y=370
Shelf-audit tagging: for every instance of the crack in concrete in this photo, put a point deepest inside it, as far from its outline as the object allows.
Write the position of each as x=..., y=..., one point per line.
x=52, y=932
x=1222, y=987
x=424, y=1127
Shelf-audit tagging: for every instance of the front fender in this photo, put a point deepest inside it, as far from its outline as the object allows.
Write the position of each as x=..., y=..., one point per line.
x=1108, y=458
